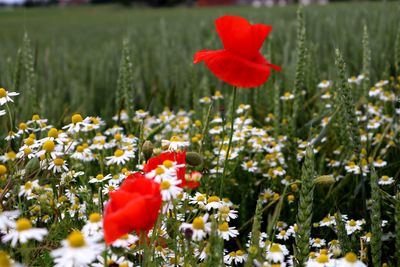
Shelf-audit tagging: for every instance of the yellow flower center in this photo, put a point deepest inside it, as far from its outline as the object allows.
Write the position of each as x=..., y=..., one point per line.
x=99, y=177
x=118, y=137
x=11, y=155
x=76, y=118
x=213, y=199
x=290, y=198
x=317, y=240
x=111, y=188
x=224, y=227
x=224, y=210
x=23, y=224
x=323, y=258
x=79, y=149
x=168, y=164
x=4, y=259
x=352, y=223
x=119, y=153
x=95, y=217
x=198, y=223
x=22, y=126
x=58, y=162
x=76, y=239
x=239, y=252
x=159, y=171
x=27, y=151
x=53, y=132
x=48, y=146
x=275, y=248
x=249, y=164
x=165, y=185
x=28, y=185
x=3, y=92
x=351, y=257
x=35, y=117
x=200, y=197
x=29, y=141
x=3, y=169
x=385, y=178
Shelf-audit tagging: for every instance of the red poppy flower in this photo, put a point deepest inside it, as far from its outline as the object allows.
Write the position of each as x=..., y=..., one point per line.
x=180, y=159
x=240, y=63
x=133, y=207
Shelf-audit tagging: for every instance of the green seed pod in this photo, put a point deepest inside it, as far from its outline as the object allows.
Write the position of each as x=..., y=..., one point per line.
x=147, y=149
x=325, y=180
x=194, y=158
x=32, y=167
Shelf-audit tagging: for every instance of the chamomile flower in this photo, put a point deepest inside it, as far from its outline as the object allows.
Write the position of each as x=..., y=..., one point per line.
x=250, y=166
x=58, y=165
x=351, y=167
x=350, y=260
x=227, y=232
x=353, y=226
x=76, y=250
x=5, y=96
x=379, y=163
x=199, y=227
x=27, y=189
x=213, y=202
x=100, y=178
x=324, y=84
x=78, y=124
x=170, y=189
x=287, y=96
x=282, y=235
x=24, y=232
x=386, y=180
x=236, y=257
x=120, y=157
x=93, y=226
x=275, y=253
x=317, y=242
x=198, y=199
x=174, y=144
x=125, y=241
x=7, y=219
x=225, y=213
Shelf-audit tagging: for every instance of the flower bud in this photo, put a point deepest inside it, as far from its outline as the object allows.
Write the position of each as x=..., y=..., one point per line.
x=147, y=149
x=194, y=158
x=325, y=180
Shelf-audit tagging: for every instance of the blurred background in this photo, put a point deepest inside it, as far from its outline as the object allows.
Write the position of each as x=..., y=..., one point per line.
x=67, y=56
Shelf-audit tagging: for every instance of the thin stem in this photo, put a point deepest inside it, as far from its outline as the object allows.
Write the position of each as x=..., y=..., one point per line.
x=230, y=139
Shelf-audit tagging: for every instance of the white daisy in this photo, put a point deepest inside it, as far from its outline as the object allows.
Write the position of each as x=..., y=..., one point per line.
x=227, y=232
x=199, y=227
x=76, y=251
x=99, y=178
x=169, y=188
x=353, y=226
x=5, y=96
x=275, y=253
x=120, y=157
x=24, y=232
x=386, y=180
x=350, y=260
x=7, y=219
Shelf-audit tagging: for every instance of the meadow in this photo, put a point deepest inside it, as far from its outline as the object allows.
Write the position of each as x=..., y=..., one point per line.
x=117, y=150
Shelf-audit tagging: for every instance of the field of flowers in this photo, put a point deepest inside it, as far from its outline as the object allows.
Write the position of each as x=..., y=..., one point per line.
x=117, y=150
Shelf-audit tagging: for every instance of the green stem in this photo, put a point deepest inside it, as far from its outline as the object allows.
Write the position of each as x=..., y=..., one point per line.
x=230, y=139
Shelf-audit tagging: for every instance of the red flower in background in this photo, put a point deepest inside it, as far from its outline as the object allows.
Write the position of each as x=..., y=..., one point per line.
x=240, y=63
x=179, y=158
x=133, y=207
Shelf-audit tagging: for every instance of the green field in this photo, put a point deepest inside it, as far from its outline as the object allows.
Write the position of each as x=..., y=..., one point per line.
x=77, y=51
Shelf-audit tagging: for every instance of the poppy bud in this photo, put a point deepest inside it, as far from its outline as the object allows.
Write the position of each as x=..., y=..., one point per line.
x=147, y=149
x=325, y=180
x=194, y=158
x=32, y=167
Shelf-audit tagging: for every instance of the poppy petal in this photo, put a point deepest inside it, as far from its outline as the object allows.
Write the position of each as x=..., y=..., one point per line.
x=235, y=70
x=240, y=37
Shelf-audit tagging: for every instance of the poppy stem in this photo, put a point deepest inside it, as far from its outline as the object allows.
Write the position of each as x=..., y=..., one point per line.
x=230, y=140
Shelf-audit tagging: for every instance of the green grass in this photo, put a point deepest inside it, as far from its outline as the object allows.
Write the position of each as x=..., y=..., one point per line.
x=77, y=51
